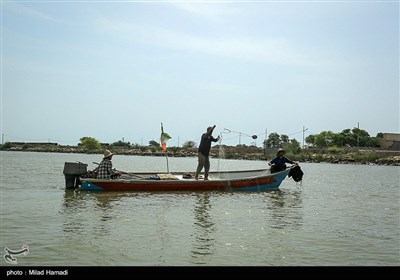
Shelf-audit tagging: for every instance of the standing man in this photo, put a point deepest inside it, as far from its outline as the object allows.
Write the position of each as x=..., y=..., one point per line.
x=204, y=151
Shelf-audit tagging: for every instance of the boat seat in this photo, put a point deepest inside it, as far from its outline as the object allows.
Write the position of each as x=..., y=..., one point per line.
x=167, y=176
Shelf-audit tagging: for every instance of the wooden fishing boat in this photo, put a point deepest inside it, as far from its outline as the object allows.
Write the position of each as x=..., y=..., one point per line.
x=245, y=180
x=77, y=176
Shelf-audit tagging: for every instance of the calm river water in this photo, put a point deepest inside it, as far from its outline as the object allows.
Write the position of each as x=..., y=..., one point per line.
x=341, y=215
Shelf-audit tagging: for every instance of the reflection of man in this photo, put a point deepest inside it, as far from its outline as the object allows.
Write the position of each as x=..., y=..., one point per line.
x=204, y=243
x=204, y=151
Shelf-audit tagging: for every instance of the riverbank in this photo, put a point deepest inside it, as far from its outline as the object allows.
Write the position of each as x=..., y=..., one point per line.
x=354, y=206
x=344, y=156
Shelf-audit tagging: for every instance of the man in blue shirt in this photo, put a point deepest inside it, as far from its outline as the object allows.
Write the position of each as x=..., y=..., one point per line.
x=279, y=163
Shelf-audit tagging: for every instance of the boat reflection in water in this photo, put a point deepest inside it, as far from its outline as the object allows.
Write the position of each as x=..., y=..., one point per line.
x=284, y=208
x=79, y=215
x=176, y=227
x=204, y=227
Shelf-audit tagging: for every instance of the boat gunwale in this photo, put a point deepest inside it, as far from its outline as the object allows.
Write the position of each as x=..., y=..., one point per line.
x=186, y=181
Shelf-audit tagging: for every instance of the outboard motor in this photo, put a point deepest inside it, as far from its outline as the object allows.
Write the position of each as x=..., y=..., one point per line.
x=296, y=173
x=72, y=172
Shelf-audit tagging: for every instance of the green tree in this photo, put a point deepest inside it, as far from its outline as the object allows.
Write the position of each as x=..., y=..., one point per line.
x=294, y=146
x=310, y=139
x=324, y=139
x=284, y=139
x=351, y=137
x=136, y=146
x=121, y=144
x=90, y=144
x=153, y=143
x=189, y=144
x=338, y=139
x=346, y=132
x=360, y=132
x=6, y=145
x=273, y=141
x=347, y=138
x=362, y=137
x=374, y=142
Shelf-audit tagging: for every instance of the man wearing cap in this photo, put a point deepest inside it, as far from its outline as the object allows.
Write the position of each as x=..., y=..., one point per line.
x=104, y=170
x=278, y=163
x=204, y=151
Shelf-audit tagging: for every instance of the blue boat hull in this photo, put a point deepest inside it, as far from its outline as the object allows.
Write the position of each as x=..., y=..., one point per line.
x=253, y=180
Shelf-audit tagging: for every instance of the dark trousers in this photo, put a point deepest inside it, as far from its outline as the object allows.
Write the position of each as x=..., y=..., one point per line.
x=203, y=162
x=277, y=168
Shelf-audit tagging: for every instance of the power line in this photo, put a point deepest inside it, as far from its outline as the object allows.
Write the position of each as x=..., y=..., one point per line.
x=295, y=133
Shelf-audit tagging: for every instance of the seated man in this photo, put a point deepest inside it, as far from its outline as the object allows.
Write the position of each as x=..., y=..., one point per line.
x=279, y=163
x=104, y=170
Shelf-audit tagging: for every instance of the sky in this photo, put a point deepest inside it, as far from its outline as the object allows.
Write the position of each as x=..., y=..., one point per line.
x=114, y=70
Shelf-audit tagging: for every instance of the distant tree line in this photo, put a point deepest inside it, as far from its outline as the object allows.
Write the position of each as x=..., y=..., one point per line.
x=347, y=138
x=91, y=144
x=275, y=140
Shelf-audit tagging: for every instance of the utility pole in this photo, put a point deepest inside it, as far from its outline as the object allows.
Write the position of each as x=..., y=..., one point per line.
x=2, y=139
x=304, y=130
x=265, y=142
x=358, y=133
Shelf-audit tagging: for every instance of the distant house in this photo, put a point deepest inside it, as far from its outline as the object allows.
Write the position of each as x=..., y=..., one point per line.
x=390, y=141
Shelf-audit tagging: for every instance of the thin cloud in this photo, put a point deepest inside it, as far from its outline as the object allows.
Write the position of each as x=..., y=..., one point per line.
x=215, y=11
x=279, y=51
x=26, y=11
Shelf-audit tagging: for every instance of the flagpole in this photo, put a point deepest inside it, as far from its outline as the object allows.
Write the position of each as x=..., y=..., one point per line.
x=166, y=156
x=163, y=139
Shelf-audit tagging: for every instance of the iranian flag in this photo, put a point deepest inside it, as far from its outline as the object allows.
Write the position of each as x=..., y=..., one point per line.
x=163, y=139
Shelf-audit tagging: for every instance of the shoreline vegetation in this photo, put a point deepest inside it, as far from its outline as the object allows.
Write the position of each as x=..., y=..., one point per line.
x=360, y=155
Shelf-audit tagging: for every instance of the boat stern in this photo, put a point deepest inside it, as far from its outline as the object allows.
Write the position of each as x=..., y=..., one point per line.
x=72, y=171
x=90, y=186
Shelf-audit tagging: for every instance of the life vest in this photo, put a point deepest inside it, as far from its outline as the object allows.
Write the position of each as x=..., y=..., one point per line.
x=296, y=173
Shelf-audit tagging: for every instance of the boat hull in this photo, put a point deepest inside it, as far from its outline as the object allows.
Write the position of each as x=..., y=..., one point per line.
x=258, y=180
